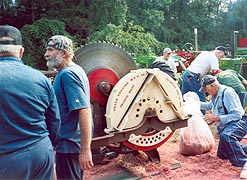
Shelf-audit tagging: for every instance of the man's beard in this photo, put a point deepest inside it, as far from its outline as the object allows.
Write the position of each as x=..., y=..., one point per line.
x=54, y=62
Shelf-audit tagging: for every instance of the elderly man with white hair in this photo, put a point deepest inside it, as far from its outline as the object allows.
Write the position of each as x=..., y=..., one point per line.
x=29, y=114
x=228, y=114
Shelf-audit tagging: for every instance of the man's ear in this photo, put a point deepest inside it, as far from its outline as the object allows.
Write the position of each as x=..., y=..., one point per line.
x=65, y=53
x=21, y=52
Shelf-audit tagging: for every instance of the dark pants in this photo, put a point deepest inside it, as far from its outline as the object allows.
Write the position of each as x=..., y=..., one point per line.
x=68, y=167
x=34, y=162
x=191, y=82
x=229, y=144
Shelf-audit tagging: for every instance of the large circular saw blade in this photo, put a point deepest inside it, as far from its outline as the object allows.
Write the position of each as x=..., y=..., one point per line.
x=103, y=62
x=106, y=55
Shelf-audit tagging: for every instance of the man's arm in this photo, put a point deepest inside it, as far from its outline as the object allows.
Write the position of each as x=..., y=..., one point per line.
x=244, y=82
x=241, y=78
x=232, y=105
x=85, y=122
x=53, y=121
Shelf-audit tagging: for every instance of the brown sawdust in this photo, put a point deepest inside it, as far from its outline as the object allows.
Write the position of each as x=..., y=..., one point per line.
x=204, y=167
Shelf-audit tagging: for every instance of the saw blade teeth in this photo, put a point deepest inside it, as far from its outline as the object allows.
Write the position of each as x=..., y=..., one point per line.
x=115, y=56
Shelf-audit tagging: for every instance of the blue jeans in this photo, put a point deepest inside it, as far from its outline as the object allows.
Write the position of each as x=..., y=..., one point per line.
x=68, y=167
x=229, y=145
x=242, y=97
x=191, y=82
x=33, y=162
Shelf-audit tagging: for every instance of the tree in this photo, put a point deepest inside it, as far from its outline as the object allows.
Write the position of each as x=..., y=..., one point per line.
x=146, y=13
x=102, y=13
x=170, y=22
x=237, y=17
x=34, y=40
x=7, y=12
x=132, y=38
x=73, y=13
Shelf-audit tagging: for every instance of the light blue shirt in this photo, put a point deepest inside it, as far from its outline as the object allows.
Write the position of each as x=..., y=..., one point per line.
x=230, y=101
x=28, y=106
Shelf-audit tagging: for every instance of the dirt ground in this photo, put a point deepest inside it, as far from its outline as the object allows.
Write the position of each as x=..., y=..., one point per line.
x=173, y=165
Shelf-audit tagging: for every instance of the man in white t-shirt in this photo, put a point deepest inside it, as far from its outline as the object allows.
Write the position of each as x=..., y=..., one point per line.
x=169, y=61
x=206, y=62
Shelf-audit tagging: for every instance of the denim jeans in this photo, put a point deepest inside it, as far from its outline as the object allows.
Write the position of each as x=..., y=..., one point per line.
x=68, y=167
x=229, y=144
x=242, y=97
x=33, y=162
x=191, y=82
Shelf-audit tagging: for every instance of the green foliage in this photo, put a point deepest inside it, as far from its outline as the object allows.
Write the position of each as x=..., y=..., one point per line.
x=237, y=17
x=150, y=17
x=132, y=38
x=133, y=24
x=73, y=13
x=34, y=40
x=107, y=12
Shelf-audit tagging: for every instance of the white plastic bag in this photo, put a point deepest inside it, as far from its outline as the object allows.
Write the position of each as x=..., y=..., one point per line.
x=197, y=137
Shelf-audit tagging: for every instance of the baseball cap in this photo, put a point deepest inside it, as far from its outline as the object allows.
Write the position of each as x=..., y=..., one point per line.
x=10, y=35
x=61, y=43
x=221, y=48
x=167, y=50
x=206, y=80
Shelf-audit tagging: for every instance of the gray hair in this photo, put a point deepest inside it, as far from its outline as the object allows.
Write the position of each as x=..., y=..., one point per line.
x=13, y=49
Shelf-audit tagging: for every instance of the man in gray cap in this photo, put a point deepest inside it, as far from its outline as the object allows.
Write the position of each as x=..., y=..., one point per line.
x=29, y=114
x=73, y=153
x=165, y=58
x=228, y=114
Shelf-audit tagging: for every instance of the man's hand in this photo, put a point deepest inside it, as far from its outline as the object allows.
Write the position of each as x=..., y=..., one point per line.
x=85, y=159
x=210, y=118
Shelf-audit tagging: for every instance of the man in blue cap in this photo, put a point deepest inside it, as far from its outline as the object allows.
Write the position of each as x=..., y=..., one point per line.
x=29, y=114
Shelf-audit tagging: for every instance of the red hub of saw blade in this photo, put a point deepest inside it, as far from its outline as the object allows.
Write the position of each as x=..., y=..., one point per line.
x=96, y=78
x=147, y=148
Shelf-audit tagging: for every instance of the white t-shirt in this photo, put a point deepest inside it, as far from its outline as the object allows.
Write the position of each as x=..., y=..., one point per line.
x=204, y=63
x=170, y=62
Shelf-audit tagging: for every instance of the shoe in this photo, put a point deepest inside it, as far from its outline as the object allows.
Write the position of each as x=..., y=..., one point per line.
x=243, y=174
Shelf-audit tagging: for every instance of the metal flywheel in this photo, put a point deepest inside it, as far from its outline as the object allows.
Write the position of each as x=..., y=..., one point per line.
x=104, y=64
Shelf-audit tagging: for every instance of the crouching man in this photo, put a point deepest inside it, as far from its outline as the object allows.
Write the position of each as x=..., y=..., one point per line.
x=228, y=114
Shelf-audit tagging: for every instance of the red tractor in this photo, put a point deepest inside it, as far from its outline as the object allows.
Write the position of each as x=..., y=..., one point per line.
x=184, y=57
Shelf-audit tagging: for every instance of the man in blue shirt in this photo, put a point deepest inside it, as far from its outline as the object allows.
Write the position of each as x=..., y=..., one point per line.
x=228, y=114
x=29, y=114
x=73, y=153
